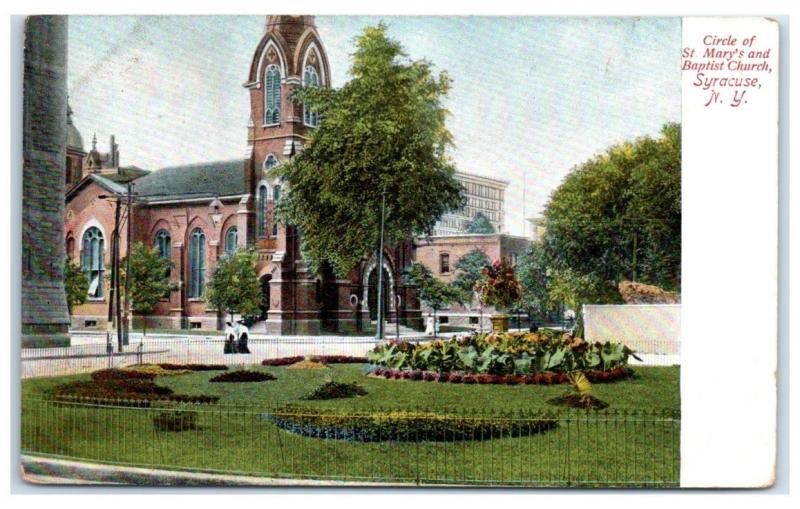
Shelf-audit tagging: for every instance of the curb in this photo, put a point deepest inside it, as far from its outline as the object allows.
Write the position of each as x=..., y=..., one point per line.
x=42, y=470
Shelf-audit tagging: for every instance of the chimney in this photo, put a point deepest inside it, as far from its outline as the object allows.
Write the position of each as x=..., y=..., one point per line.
x=112, y=152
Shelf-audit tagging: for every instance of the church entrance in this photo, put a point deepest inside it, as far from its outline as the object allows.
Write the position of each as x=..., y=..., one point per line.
x=372, y=295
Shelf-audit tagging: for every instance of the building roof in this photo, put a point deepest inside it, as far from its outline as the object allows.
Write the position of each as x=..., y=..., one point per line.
x=126, y=174
x=101, y=180
x=218, y=178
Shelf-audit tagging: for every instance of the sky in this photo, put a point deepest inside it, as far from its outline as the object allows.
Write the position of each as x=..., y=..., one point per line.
x=532, y=97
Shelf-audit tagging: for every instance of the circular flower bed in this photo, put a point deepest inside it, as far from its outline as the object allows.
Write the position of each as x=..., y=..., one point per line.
x=242, y=376
x=546, y=378
x=405, y=426
x=546, y=354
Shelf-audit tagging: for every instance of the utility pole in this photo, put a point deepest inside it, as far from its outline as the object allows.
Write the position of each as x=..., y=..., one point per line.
x=129, y=220
x=113, y=298
x=379, y=328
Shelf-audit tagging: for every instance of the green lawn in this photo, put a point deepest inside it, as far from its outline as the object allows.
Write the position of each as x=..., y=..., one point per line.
x=615, y=448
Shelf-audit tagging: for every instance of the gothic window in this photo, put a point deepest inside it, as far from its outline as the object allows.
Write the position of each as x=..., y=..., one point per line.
x=231, y=240
x=310, y=79
x=164, y=244
x=272, y=95
x=270, y=162
x=276, y=195
x=92, y=261
x=197, y=264
x=261, y=213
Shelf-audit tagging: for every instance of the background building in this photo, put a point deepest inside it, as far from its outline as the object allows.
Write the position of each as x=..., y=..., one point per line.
x=485, y=195
x=441, y=254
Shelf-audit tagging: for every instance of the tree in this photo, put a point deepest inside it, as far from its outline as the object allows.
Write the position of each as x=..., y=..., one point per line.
x=535, y=273
x=383, y=130
x=234, y=286
x=618, y=216
x=75, y=284
x=480, y=224
x=468, y=272
x=433, y=292
x=149, y=279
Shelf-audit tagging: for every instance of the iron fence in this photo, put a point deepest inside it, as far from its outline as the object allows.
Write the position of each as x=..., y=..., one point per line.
x=609, y=448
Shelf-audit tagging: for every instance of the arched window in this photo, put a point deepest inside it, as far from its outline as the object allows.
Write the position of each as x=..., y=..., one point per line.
x=92, y=261
x=261, y=213
x=276, y=195
x=270, y=162
x=164, y=244
x=231, y=240
x=197, y=264
x=310, y=79
x=272, y=95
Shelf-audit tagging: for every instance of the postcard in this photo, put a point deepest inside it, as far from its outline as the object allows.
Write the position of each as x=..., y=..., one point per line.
x=305, y=250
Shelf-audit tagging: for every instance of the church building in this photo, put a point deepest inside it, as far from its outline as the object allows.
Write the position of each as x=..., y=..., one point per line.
x=195, y=214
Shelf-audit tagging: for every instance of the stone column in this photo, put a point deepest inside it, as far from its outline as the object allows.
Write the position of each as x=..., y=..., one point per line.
x=45, y=319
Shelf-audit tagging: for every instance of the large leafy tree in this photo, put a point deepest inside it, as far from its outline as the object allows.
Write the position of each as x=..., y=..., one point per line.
x=383, y=130
x=468, y=272
x=480, y=224
x=618, y=216
x=433, y=292
x=75, y=284
x=149, y=278
x=234, y=286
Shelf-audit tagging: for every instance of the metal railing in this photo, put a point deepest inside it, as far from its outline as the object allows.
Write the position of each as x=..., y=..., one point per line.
x=609, y=448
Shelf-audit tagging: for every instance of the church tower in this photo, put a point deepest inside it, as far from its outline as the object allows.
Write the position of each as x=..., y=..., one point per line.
x=290, y=54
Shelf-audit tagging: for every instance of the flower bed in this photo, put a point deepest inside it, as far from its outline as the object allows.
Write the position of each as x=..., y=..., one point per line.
x=242, y=376
x=322, y=359
x=403, y=426
x=194, y=367
x=155, y=370
x=122, y=387
x=546, y=378
x=508, y=353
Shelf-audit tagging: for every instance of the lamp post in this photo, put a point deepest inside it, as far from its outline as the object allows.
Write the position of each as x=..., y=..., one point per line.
x=379, y=328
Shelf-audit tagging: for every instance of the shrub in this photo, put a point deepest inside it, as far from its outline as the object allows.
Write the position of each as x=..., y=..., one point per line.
x=335, y=390
x=242, y=376
x=175, y=421
x=307, y=364
x=407, y=426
